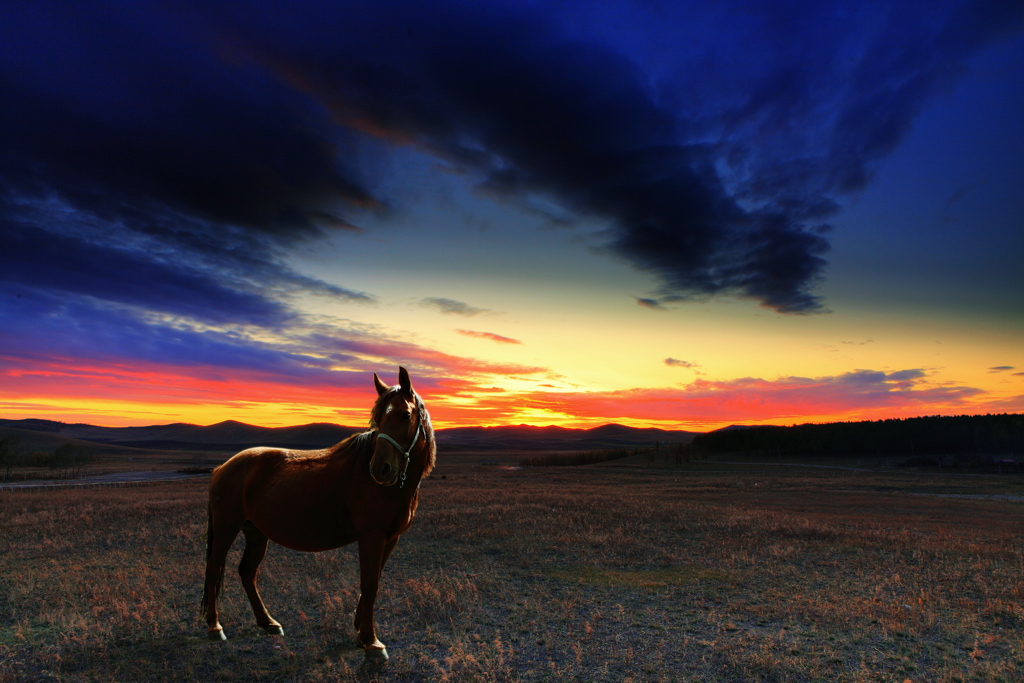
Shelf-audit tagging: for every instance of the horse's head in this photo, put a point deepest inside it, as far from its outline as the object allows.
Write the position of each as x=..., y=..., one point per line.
x=400, y=430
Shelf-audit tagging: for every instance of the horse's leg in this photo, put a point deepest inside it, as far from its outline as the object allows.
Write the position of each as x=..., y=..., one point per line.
x=388, y=547
x=221, y=532
x=255, y=549
x=386, y=554
x=371, y=554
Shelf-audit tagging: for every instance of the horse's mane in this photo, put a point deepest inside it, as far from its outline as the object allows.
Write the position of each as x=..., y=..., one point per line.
x=428, y=431
x=358, y=445
x=361, y=445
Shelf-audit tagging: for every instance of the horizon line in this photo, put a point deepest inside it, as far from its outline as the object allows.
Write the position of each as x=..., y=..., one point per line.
x=520, y=424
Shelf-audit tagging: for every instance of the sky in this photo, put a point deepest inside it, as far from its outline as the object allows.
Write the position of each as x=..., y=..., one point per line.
x=679, y=215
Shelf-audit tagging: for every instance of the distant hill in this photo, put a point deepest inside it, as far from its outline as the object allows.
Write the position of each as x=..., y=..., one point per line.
x=236, y=436
x=525, y=437
x=30, y=440
x=226, y=436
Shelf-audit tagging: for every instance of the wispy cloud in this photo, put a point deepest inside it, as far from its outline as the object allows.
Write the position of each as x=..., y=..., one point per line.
x=452, y=307
x=149, y=355
x=36, y=260
x=489, y=335
x=652, y=304
x=1001, y=368
x=317, y=365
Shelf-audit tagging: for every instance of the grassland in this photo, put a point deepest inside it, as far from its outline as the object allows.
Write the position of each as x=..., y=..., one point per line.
x=588, y=573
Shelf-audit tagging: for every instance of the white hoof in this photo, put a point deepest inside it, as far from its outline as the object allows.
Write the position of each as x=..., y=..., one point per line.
x=376, y=651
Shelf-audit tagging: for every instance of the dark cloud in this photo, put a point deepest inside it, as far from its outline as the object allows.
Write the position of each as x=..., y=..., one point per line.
x=1002, y=368
x=141, y=166
x=676, y=363
x=717, y=176
x=233, y=130
x=452, y=306
x=127, y=109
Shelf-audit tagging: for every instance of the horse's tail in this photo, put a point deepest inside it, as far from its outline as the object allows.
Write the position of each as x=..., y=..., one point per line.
x=209, y=552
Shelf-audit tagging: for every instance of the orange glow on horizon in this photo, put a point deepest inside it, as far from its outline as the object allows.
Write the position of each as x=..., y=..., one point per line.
x=117, y=396
x=467, y=392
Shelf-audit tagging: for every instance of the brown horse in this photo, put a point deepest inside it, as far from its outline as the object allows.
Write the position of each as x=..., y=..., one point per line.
x=364, y=489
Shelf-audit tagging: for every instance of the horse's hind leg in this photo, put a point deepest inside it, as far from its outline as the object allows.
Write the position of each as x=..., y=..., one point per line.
x=255, y=549
x=221, y=534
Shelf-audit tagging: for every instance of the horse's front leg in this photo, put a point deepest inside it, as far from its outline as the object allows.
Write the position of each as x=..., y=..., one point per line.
x=373, y=551
x=388, y=547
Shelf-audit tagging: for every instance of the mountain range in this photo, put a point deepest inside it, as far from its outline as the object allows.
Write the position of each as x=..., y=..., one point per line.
x=235, y=436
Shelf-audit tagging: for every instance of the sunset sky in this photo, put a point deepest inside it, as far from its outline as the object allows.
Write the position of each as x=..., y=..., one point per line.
x=682, y=215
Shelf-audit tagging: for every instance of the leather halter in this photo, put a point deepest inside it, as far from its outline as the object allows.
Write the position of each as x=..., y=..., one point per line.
x=406, y=452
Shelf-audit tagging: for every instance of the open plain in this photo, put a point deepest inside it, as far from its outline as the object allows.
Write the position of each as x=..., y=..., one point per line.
x=617, y=571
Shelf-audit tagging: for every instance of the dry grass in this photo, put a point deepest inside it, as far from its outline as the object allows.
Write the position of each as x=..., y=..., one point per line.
x=577, y=458
x=585, y=574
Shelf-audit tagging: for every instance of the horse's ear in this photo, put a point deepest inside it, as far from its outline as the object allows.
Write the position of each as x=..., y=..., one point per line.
x=403, y=380
x=381, y=387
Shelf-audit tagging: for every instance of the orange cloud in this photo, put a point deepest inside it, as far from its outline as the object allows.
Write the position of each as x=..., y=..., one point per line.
x=704, y=404
x=489, y=335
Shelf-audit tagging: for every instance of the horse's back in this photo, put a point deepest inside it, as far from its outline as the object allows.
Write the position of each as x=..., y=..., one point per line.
x=287, y=494
x=263, y=459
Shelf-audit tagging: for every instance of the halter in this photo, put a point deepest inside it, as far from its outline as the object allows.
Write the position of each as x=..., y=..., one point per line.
x=406, y=452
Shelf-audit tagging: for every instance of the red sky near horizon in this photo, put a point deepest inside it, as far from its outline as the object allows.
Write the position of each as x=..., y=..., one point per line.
x=674, y=217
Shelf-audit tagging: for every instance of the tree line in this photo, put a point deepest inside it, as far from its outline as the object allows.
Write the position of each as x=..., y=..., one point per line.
x=917, y=436
x=66, y=460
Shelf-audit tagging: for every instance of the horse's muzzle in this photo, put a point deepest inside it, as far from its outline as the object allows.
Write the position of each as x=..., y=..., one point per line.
x=385, y=474
x=390, y=482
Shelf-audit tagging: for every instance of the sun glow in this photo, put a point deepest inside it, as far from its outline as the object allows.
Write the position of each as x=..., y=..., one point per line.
x=653, y=370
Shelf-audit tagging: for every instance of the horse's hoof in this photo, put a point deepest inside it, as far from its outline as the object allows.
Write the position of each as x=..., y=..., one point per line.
x=216, y=634
x=377, y=653
x=273, y=629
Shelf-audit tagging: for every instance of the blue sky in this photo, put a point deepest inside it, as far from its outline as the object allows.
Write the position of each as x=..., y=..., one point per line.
x=533, y=206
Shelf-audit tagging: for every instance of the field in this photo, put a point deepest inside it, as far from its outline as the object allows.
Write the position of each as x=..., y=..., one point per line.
x=602, y=572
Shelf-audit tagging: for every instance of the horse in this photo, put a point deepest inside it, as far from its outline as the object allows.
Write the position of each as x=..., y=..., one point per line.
x=364, y=490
